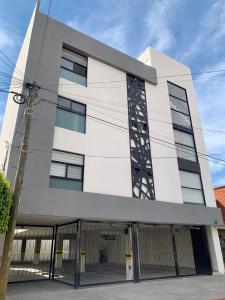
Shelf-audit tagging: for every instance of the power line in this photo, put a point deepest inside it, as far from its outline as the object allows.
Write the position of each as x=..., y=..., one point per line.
x=157, y=77
x=43, y=40
x=123, y=112
x=12, y=64
x=151, y=137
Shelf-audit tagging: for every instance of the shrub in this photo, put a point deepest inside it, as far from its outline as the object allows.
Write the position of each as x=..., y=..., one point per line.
x=5, y=203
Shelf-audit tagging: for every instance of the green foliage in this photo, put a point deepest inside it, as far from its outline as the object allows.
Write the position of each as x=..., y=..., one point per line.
x=5, y=203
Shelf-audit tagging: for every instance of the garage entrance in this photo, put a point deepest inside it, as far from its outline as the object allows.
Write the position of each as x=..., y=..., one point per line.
x=32, y=253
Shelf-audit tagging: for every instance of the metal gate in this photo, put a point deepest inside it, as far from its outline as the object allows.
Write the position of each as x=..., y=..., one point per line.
x=156, y=251
x=31, y=254
x=106, y=253
x=65, y=253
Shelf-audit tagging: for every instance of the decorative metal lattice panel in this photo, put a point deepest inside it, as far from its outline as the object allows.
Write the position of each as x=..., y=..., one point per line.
x=141, y=164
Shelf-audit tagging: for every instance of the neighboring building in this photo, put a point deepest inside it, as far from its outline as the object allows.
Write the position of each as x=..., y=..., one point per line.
x=220, y=201
x=113, y=173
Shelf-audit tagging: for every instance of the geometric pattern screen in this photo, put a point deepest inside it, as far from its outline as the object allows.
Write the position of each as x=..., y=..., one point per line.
x=141, y=163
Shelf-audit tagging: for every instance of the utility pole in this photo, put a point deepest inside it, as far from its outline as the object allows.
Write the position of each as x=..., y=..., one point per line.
x=7, y=249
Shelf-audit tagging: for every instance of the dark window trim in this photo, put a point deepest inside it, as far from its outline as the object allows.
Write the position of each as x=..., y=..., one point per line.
x=200, y=176
x=74, y=63
x=71, y=109
x=58, y=106
x=180, y=112
x=61, y=162
x=185, y=101
x=183, y=129
x=191, y=188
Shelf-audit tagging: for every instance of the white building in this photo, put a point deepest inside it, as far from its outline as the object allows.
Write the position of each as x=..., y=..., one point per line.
x=115, y=172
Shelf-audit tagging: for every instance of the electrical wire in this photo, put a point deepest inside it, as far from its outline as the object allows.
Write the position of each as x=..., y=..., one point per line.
x=165, y=143
x=124, y=112
x=43, y=40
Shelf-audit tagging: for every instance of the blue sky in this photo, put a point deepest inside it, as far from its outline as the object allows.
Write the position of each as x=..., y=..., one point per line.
x=191, y=31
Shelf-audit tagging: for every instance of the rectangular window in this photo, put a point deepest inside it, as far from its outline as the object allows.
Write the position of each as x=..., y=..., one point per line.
x=74, y=67
x=185, y=146
x=66, y=171
x=70, y=115
x=191, y=187
x=179, y=106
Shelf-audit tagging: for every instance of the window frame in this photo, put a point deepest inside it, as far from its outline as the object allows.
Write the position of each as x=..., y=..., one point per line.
x=74, y=63
x=192, y=148
x=67, y=165
x=71, y=110
x=191, y=188
x=177, y=111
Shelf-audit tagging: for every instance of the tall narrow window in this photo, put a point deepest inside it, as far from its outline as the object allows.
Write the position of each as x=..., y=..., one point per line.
x=191, y=187
x=66, y=171
x=185, y=146
x=74, y=67
x=70, y=115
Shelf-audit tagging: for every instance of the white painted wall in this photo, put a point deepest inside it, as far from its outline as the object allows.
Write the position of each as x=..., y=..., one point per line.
x=159, y=108
x=101, y=174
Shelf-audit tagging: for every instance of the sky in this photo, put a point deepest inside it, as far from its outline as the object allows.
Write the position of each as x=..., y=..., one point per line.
x=190, y=31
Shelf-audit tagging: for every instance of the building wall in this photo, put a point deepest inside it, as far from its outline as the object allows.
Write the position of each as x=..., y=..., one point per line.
x=101, y=175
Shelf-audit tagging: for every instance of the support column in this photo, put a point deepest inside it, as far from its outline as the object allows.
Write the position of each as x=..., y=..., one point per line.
x=23, y=249
x=37, y=251
x=136, y=258
x=78, y=257
x=72, y=249
x=129, y=254
x=215, y=249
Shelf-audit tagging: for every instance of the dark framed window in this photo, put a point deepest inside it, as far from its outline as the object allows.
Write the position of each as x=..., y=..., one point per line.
x=66, y=170
x=71, y=115
x=179, y=106
x=74, y=67
x=185, y=145
x=191, y=187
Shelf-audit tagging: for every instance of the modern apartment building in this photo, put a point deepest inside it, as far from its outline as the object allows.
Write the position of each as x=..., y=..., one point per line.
x=116, y=186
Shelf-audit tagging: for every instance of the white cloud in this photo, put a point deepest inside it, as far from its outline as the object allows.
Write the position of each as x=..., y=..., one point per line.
x=6, y=39
x=211, y=31
x=157, y=22
x=113, y=27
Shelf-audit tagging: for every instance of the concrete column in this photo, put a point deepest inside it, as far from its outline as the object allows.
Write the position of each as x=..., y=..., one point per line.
x=129, y=255
x=37, y=251
x=23, y=249
x=215, y=249
x=59, y=252
x=2, y=240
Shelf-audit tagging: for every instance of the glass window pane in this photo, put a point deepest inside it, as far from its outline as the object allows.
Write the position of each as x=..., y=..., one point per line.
x=66, y=64
x=67, y=157
x=70, y=120
x=74, y=172
x=183, y=138
x=64, y=102
x=71, y=76
x=80, y=70
x=181, y=119
x=78, y=107
x=80, y=59
x=65, y=184
x=191, y=180
x=179, y=105
x=176, y=91
x=192, y=196
x=58, y=170
x=185, y=152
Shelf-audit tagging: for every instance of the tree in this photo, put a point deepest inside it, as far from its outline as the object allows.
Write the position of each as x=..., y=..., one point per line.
x=5, y=203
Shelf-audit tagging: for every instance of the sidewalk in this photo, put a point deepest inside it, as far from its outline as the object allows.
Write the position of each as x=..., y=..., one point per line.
x=196, y=287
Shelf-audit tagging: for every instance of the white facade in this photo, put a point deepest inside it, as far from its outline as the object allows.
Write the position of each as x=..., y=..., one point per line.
x=107, y=192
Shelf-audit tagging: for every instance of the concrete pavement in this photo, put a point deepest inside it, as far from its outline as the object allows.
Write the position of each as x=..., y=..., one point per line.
x=197, y=287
